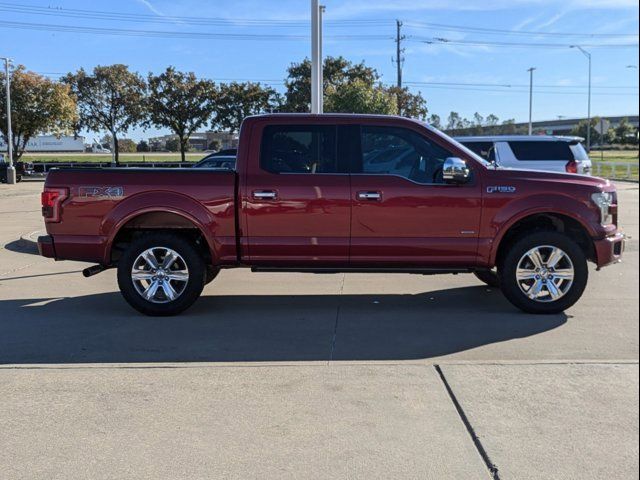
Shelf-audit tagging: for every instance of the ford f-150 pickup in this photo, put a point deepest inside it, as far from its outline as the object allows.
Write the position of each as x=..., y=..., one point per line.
x=335, y=193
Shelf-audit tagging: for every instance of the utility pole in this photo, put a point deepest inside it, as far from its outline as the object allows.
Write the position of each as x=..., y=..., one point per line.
x=317, y=81
x=588, y=55
x=11, y=171
x=399, y=60
x=531, y=70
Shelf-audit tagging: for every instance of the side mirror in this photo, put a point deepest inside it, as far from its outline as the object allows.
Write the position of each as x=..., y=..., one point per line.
x=455, y=170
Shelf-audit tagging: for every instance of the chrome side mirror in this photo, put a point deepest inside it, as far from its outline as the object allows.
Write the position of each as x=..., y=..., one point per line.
x=455, y=170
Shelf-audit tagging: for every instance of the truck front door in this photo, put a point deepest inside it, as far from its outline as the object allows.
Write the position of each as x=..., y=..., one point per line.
x=404, y=215
x=296, y=200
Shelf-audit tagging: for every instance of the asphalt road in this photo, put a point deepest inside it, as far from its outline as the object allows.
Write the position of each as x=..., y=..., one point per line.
x=276, y=376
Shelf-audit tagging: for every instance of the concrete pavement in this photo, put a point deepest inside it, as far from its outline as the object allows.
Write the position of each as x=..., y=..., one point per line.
x=305, y=376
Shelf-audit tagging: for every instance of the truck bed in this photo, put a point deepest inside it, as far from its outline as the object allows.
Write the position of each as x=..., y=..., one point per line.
x=101, y=201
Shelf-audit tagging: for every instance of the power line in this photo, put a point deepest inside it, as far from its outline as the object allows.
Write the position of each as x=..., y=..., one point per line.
x=168, y=34
x=510, y=85
x=482, y=43
x=497, y=31
x=146, y=18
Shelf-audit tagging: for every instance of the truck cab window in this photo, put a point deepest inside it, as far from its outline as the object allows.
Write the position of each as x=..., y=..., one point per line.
x=299, y=149
x=402, y=152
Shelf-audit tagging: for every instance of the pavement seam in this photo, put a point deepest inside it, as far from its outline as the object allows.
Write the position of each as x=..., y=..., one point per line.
x=493, y=469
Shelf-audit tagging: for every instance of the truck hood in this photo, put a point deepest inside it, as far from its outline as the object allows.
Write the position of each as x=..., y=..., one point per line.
x=538, y=177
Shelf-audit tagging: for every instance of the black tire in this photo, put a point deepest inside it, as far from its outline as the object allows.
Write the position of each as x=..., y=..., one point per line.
x=490, y=277
x=191, y=257
x=18, y=178
x=510, y=285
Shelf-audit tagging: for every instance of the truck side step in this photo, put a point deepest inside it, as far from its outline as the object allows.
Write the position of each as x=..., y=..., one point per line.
x=416, y=271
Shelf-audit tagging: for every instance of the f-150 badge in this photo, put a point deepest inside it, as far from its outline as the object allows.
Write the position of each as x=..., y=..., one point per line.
x=94, y=192
x=501, y=189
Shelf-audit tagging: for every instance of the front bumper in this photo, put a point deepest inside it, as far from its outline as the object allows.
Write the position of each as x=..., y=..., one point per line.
x=46, y=247
x=609, y=250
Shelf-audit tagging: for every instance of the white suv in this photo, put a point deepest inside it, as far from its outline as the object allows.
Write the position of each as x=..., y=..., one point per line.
x=553, y=154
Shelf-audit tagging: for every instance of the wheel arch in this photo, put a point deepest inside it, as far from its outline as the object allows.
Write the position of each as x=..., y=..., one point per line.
x=158, y=211
x=544, y=220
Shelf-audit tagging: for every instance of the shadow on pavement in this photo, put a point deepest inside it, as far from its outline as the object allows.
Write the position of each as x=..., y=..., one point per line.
x=102, y=328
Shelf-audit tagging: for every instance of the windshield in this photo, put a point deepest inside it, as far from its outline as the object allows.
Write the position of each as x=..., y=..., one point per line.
x=579, y=153
x=466, y=150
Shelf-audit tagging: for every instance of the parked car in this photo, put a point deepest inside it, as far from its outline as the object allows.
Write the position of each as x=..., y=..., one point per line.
x=217, y=162
x=548, y=153
x=309, y=195
x=22, y=169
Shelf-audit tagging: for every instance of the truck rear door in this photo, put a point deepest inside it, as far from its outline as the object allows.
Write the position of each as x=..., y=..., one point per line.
x=296, y=200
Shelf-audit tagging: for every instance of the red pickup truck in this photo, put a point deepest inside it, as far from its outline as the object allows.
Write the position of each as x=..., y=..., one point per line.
x=335, y=193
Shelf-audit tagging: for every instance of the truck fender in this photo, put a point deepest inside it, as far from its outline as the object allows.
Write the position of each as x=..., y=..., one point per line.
x=159, y=201
x=520, y=209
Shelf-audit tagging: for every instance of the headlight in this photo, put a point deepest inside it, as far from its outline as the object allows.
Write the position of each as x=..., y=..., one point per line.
x=604, y=200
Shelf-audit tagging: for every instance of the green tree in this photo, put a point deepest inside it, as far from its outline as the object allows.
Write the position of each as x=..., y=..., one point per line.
x=492, y=120
x=173, y=145
x=126, y=145
x=337, y=71
x=142, y=147
x=360, y=97
x=626, y=133
x=236, y=101
x=214, y=145
x=410, y=105
x=112, y=98
x=435, y=121
x=181, y=102
x=38, y=105
x=581, y=130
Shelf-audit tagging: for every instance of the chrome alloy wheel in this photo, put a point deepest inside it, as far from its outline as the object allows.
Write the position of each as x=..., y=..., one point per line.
x=545, y=274
x=160, y=275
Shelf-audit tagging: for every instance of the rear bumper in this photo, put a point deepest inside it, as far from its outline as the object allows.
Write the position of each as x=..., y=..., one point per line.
x=46, y=248
x=609, y=250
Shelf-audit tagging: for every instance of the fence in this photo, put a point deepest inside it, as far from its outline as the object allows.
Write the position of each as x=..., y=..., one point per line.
x=616, y=170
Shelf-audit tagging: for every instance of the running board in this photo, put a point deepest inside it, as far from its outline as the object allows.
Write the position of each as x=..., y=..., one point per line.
x=416, y=271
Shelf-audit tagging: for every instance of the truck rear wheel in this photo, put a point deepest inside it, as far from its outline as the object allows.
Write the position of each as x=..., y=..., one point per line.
x=161, y=274
x=544, y=273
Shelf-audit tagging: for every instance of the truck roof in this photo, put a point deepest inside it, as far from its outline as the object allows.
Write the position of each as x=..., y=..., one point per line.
x=339, y=116
x=519, y=138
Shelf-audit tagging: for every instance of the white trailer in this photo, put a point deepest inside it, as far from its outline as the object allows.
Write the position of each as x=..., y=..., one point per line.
x=51, y=143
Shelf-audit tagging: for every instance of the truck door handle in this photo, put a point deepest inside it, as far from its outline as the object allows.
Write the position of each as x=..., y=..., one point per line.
x=265, y=194
x=370, y=196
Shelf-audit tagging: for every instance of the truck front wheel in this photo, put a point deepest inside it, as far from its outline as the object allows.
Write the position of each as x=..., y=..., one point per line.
x=161, y=274
x=544, y=273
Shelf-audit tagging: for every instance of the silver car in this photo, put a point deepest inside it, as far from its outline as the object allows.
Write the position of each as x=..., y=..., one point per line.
x=548, y=153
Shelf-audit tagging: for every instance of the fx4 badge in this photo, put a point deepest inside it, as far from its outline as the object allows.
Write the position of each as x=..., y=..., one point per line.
x=501, y=189
x=108, y=192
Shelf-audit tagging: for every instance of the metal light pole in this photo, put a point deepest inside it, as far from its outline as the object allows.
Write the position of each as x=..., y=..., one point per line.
x=531, y=99
x=11, y=171
x=317, y=94
x=588, y=55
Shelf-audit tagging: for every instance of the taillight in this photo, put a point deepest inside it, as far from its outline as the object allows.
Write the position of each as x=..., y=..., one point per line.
x=51, y=199
x=572, y=167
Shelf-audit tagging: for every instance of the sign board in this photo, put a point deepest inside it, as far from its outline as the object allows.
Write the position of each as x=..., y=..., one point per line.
x=603, y=126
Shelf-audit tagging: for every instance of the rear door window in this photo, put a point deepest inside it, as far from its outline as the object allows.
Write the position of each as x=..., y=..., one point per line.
x=299, y=149
x=541, y=151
